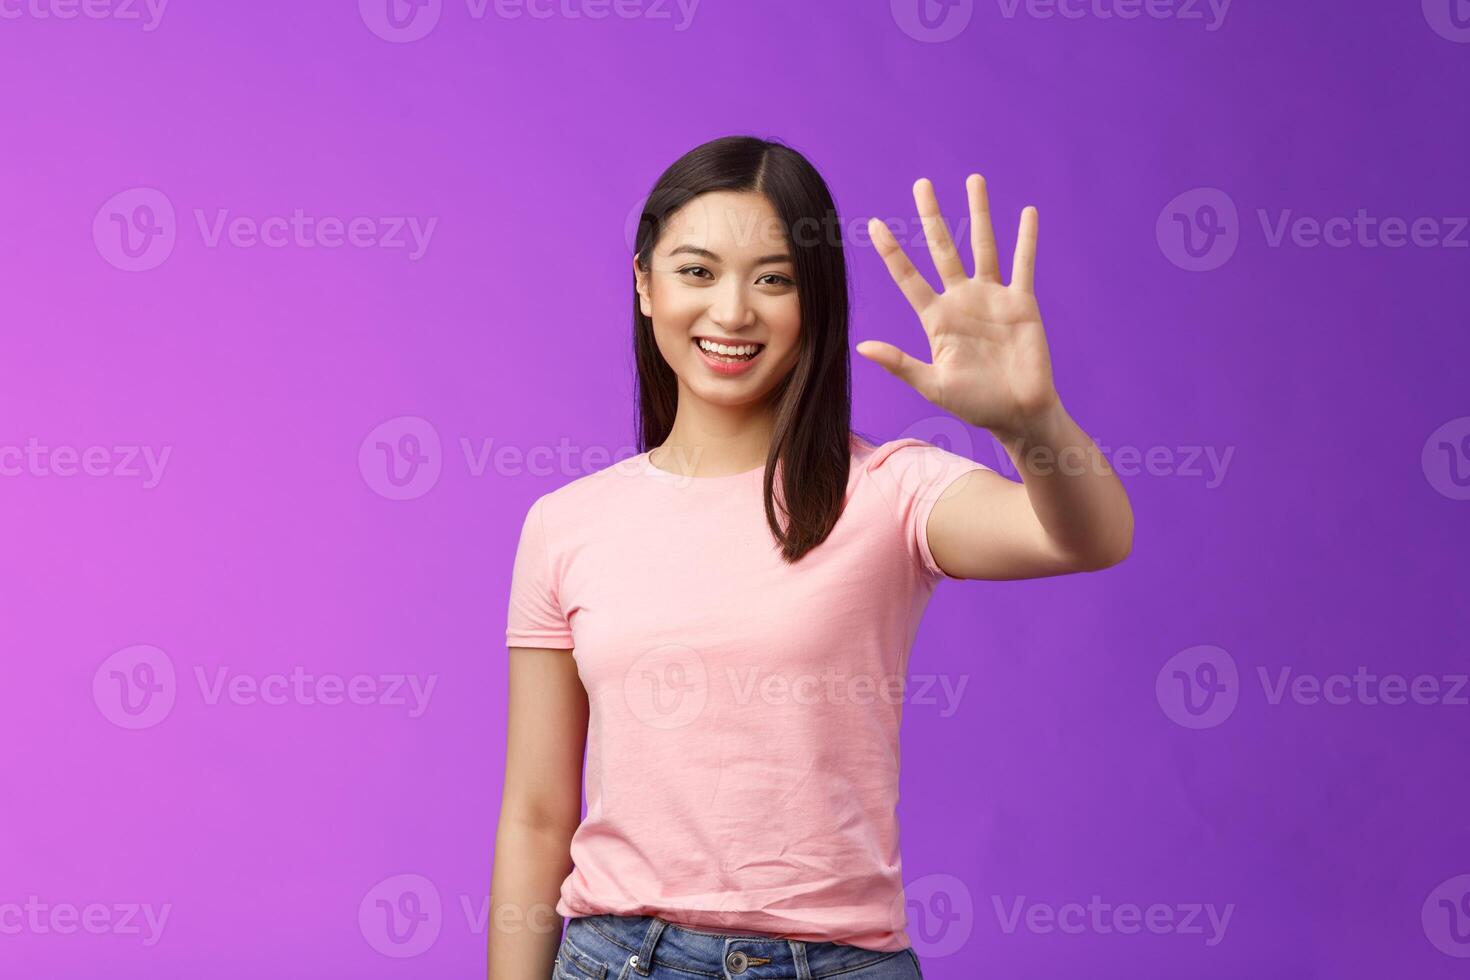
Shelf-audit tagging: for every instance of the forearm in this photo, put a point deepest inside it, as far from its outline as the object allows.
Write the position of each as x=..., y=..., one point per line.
x=531, y=861
x=1077, y=497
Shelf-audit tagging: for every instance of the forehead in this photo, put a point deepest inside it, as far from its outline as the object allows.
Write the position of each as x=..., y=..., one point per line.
x=729, y=223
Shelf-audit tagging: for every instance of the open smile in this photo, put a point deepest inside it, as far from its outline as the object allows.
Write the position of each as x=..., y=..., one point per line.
x=727, y=357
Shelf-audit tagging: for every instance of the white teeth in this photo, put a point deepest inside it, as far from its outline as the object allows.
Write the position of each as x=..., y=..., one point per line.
x=728, y=351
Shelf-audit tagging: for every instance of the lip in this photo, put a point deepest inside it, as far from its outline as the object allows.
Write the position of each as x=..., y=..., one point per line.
x=721, y=367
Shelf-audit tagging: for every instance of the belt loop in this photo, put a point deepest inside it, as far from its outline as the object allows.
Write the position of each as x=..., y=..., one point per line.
x=650, y=939
x=798, y=954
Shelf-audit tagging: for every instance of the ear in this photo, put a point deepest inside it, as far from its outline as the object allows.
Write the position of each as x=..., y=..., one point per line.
x=640, y=279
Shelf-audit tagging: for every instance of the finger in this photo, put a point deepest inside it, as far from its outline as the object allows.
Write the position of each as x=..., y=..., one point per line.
x=982, y=235
x=920, y=294
x=1023, y=265
x=896, y=362
x=941, y=247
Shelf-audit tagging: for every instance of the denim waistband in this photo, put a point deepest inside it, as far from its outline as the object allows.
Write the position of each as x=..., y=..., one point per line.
x=616, y=939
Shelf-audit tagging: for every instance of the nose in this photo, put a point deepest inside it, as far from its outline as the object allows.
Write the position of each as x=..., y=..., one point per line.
x=731, y=310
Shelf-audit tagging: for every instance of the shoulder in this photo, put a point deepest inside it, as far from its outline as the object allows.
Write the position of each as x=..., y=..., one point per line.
x=909, y=473
x=587, y=496
x=906, y=456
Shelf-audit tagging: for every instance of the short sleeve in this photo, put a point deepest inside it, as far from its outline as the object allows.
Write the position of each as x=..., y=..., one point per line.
x=534, y=617
x=914, y=475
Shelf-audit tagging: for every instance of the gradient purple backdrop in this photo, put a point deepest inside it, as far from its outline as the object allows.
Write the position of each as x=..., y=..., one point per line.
x=1295, y=409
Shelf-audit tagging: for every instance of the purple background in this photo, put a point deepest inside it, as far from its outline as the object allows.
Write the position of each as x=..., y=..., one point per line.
x=1332, y=540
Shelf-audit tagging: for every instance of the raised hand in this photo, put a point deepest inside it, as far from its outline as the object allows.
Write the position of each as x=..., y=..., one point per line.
x=989, y=360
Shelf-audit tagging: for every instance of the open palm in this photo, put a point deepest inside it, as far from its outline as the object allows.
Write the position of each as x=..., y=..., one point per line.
x=989, y=359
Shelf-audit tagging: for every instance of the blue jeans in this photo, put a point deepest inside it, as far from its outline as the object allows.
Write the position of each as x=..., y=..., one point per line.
x=644, y=947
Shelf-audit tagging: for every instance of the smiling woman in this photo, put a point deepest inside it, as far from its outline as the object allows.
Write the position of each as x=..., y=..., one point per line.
x=669, y=620
x=715, y=258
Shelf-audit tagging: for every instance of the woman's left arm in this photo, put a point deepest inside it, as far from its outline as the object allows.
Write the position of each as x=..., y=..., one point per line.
x=991, y=367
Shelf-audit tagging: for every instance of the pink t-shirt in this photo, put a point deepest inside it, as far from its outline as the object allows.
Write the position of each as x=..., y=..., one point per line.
x=743, y=737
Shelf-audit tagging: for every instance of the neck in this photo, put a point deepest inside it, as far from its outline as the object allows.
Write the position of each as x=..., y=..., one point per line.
x=715, y=440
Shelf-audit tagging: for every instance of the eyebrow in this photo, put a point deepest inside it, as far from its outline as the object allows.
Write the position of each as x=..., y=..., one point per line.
x=706, y=253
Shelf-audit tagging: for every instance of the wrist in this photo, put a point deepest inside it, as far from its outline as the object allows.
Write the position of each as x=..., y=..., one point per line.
x=1042, y=426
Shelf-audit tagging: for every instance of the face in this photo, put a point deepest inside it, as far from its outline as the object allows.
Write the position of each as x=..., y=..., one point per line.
x=722, y=272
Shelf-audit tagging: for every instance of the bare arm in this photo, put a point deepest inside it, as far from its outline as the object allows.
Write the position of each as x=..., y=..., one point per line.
x=540, y=807
x=1070, y=515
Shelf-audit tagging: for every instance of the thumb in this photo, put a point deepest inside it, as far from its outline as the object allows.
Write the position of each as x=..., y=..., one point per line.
x=894, y=361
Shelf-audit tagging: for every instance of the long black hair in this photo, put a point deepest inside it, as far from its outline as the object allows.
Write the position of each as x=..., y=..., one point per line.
x=813, y=403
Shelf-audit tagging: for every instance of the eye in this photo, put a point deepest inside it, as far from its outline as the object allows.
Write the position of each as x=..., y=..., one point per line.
x=781, y=280
x=691, y=268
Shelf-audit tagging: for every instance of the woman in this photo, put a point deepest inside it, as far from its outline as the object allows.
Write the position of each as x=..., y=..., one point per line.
x=723, y=622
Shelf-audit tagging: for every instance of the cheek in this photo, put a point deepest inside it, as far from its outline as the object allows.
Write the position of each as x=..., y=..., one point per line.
x=783, y=319
x=673, y=315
